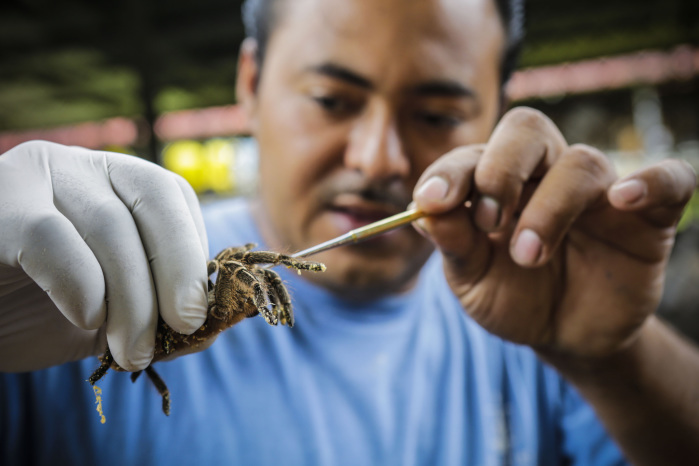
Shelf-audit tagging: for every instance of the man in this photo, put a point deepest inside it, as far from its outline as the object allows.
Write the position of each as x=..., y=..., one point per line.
x=400, y=355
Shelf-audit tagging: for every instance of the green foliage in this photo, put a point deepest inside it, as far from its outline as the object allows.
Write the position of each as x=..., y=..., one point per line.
x=65, y=86
x=78, y=60
x=691, y=213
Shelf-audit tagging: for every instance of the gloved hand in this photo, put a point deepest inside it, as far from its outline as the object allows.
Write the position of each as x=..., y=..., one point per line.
x=93, y=246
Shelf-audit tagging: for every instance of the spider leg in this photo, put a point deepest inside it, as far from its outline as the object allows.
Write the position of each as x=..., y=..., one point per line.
x=230, y=253
x=212, y=267
x=161, y=387
x=105, y=362
x=280, y=297
x=268, y=257
x=167, y=340
x=273, y=298
x=302, y=265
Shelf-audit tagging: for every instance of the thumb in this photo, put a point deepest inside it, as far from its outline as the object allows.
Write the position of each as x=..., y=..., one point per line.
x=442, y=192
x=466, y=251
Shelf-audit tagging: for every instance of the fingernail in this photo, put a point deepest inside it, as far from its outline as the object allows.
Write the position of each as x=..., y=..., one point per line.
x=434, y=189
x=629, y=192
x=487, y=215
x=421, y=225
x=527, y=248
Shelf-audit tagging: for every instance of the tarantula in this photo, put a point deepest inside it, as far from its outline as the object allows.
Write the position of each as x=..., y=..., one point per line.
x=242, y=289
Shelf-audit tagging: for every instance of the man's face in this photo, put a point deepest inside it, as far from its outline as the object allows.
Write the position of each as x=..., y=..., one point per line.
x=355, y=100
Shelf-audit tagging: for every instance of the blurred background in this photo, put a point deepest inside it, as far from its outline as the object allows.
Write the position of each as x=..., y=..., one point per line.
x=156, y=79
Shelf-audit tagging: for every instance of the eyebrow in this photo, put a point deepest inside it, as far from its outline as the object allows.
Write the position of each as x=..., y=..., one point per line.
x=443, y=88
x=340, y=72
x=435, y=88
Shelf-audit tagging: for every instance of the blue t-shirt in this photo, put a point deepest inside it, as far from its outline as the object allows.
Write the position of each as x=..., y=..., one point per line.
x=410, y=380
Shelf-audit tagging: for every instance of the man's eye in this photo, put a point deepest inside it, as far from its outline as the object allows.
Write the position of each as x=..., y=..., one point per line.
x=439, y=120
x=337, y=106
x=331, y=104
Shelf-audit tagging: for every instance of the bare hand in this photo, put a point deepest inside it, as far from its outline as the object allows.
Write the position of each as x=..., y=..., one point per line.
x=556, y=252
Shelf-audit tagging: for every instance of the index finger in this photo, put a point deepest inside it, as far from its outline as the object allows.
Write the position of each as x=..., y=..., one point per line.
x=523, y=146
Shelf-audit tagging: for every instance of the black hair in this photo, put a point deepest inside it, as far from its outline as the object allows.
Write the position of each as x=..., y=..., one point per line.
x=259, y=18
x=512, y=15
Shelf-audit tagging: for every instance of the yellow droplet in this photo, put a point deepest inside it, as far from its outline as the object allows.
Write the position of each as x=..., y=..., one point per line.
x=98, y=397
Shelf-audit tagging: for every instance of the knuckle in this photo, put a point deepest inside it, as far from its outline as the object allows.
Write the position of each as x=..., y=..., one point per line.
x=590, y=160
x=167, y=183
x=109, y=217
x=108, y=210
x=44, y=223
x=33, y=146
x=526, y=117
x=24, y=151
x=506, y=188
x=151, y=173
x=500, y=180
x=136, y=171
x=677, y=177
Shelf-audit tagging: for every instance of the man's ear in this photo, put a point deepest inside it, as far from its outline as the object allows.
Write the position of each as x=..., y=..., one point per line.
x=248, y=78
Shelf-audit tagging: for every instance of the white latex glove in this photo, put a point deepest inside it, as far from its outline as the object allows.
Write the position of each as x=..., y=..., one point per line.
x=94, y=244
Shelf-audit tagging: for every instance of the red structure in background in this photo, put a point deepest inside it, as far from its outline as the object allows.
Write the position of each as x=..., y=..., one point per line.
x=642, y=68
x=201, y=124
x=114, y=131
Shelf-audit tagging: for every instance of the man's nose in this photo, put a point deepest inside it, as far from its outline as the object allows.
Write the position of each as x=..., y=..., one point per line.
x=376, y=148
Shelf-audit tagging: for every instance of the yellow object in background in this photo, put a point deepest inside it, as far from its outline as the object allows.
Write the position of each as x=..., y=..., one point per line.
x=207, y=166
x=219, y=160
x=185, y=158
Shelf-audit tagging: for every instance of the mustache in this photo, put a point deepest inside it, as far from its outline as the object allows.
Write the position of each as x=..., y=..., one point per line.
x=390, y=193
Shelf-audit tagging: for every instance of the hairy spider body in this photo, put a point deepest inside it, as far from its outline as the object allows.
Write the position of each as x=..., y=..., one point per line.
x=243, y=289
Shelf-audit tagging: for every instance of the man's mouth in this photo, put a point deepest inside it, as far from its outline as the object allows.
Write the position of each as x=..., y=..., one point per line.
x=351, y=211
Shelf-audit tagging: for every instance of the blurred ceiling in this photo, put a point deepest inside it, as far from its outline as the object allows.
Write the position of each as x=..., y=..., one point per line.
x=78, y=60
